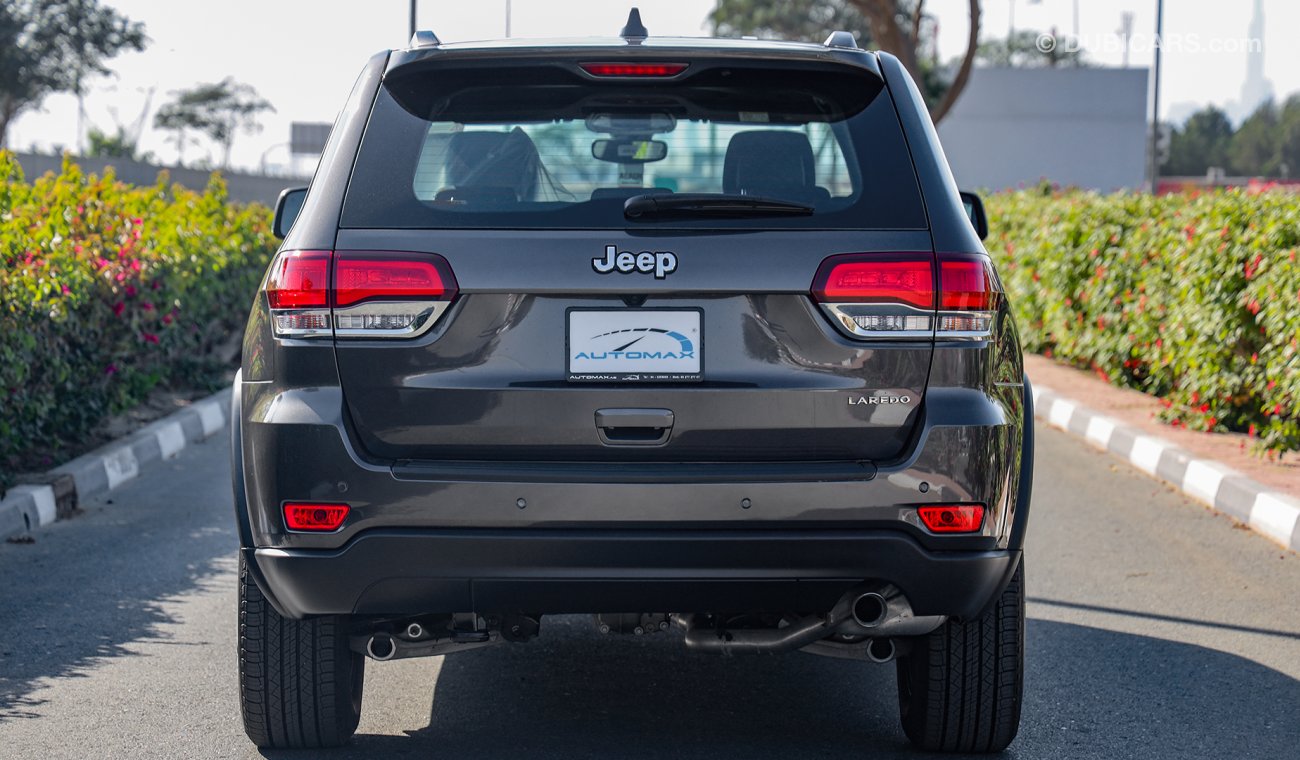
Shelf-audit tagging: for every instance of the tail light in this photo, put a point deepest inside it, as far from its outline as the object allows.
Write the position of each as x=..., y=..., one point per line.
x=899, y=295
x=952, y=518
x=315, y=518
x=633, y=69
x=358, y=294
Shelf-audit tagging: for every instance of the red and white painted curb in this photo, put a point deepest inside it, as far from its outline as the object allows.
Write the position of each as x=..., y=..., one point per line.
x=1270, y=513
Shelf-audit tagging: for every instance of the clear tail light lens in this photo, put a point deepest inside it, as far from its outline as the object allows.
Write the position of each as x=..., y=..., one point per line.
x=358, y=294
x=899, y=296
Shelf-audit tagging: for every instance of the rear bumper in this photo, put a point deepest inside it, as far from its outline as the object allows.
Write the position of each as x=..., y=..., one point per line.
x=413, y=572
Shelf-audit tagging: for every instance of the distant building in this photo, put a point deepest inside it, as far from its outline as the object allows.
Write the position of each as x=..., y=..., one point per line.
x=1085, y=127
x=1256, y=88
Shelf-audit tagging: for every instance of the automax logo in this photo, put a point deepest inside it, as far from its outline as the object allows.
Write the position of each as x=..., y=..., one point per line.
x=623, y=348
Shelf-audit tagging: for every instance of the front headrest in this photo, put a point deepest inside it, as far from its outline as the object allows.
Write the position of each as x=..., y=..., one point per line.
x=768, y=162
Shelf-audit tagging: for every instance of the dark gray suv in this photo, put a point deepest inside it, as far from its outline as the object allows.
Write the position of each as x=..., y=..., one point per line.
x=697, y=337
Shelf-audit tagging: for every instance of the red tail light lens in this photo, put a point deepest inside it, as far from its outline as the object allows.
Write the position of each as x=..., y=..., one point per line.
x=966, y=284
x=875, y=278
x=358, y=294
x=952, y=518
x=633, y=69
x=299, y=280
x=363, y=277
x=317, y=518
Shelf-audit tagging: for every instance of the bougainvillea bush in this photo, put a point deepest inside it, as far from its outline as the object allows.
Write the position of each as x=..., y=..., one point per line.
x=1194, y=298
x=109, y=291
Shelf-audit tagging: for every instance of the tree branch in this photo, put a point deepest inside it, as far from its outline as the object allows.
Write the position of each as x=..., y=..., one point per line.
x=967, y=63
x=882, y=18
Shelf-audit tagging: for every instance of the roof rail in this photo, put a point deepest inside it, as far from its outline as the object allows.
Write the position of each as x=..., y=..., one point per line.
x=425, y=38
x=841, y=40
x=634, y=30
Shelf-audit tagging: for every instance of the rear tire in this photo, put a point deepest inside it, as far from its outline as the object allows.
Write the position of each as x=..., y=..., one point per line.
x=299, y=682
x=960, y=687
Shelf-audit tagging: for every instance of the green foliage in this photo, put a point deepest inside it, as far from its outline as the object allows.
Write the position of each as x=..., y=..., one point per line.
x=116, y=145
x=49, y=46
x=217, y=110
x=1267, y=144
x=1192, y=298
x=1201, y=143
x=1021, y=50
x=1255, y=144
x=789, y=19
x=108, y=291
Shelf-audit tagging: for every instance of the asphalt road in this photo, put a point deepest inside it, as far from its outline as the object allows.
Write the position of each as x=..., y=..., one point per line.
x=1157, y=630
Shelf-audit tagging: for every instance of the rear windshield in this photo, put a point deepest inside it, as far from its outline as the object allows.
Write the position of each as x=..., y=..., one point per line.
x=547, y=146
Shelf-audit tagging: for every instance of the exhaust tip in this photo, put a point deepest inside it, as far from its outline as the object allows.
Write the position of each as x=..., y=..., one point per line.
x=870, y=609
x=381, y=647
x=881, y=650
x=414, y=631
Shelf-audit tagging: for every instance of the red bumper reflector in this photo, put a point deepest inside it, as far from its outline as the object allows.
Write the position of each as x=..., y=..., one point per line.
x=633, y=69
x=952, y=518
x=315, y=517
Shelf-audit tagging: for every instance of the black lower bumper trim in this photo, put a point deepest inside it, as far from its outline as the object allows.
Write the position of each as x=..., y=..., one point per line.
x=412, y=572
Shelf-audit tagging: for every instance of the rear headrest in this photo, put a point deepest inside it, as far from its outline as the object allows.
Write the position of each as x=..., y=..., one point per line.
x=768, y=162
x=468, y=150
x=494, y=159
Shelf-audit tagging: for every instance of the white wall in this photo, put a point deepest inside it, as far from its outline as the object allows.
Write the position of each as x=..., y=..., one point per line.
x=1084, y=127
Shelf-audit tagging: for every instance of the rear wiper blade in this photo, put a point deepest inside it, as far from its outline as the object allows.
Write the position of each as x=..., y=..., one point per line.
x=711, y=204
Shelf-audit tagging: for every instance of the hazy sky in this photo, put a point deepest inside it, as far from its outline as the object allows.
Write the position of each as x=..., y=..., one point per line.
x=303, y=56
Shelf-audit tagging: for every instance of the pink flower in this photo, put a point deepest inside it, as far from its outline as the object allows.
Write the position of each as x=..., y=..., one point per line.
x=66, y=290
x=149, y=338
x=110, y=369
x=130, y=291
x=118, y=308
x=167, y=319
x=147, y=306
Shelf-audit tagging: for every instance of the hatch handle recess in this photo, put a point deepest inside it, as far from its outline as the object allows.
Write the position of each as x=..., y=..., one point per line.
x=634, y=427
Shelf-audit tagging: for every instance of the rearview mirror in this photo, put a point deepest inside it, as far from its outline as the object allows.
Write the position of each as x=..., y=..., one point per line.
x=287, y=208
x=975, y=212
x=623, y=150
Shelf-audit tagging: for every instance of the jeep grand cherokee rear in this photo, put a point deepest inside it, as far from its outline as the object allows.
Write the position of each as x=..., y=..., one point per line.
x=694, y=336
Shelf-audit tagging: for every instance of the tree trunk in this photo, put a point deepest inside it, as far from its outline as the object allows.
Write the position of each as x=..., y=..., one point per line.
x=8, y=110
x=891, y=37
x=882, y=16
x=963, y=72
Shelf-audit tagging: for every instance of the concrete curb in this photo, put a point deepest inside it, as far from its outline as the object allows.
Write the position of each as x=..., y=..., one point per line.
x=27, y=506
x=1270, y=513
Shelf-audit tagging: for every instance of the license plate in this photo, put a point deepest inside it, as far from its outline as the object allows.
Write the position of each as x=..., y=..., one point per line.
x=635, y=345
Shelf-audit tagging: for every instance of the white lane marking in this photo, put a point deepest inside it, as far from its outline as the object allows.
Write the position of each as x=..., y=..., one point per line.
x=1060, y=413
x=210, y=416
x=1146, y=453
x=120, y=465
x=1275, y=516
x=171, y=439
x=1100, y=429
x=1202, y=479
x=43, y=497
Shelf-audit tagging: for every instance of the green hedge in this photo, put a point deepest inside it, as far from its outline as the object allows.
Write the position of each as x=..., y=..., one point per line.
x=109, y=291
x=1193, y=298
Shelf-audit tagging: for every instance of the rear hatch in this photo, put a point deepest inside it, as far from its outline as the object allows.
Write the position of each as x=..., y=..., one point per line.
x=664, y=257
